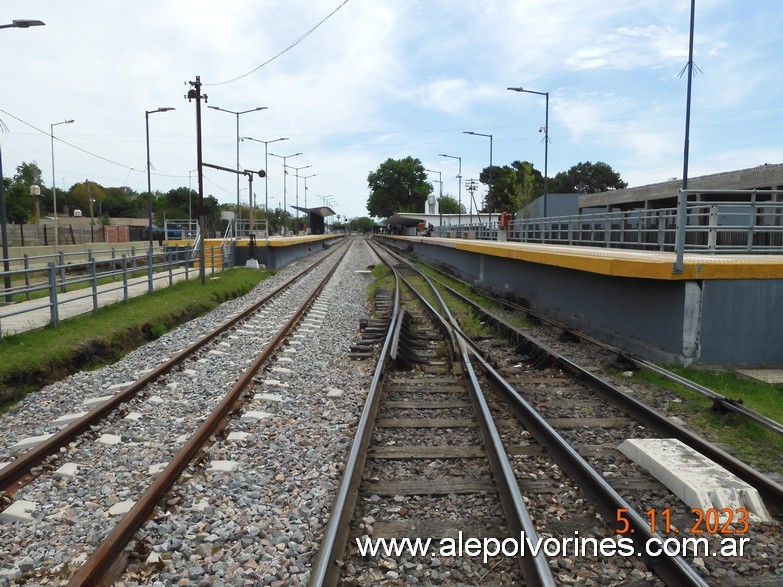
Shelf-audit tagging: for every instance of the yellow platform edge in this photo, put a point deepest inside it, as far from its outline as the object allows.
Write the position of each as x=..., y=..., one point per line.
x=618, y=263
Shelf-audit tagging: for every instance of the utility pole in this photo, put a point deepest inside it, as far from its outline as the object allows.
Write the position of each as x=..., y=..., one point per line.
x=472, y=187
x=195, y=94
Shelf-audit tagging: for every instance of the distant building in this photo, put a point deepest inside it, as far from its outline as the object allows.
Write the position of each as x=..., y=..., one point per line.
x=664, y=194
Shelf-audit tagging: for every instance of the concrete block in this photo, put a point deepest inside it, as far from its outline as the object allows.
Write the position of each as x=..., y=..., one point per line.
x=155, y=399
x=238, y=436
x=96, y=401
x=134, y=416
x=275, y=383
x=109, y=439
x=222, y=466
x=698, y=481
x=255, y=415
x=118, y=386
x=68, y=471
x=19, y=511
x=282, y=370
x=157, y=469
x=121, y=508
x=68, y=418
x=29, y=442
x=334, y=392
x=285, y=360
x=268, y=397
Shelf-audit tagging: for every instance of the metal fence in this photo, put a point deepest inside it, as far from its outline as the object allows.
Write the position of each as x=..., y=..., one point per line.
x=708, y=226
x=41, y=282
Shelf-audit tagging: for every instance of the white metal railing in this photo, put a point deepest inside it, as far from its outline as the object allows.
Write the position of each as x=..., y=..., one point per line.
x=710, y=226
x=42, y=285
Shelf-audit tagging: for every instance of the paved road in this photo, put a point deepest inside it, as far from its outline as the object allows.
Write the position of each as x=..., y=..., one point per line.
x=37, y=314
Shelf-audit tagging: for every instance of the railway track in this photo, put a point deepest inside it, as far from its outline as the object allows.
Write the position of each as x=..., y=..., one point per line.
x=451, y=446
x=114, y=431
x=426, y=464
x=562, y=439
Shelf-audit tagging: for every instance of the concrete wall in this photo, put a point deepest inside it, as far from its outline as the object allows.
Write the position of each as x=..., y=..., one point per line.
x=742, y=322
x=275, y=257
x=728, y=322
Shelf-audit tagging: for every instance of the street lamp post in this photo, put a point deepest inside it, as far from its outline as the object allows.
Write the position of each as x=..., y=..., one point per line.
x=238, y=174
x=489, y=191
x=296, y=174
x=54, y=188
x=440, y=198
x=459, y=187
x=546, y=139
x=266, y=168
x=19, y=24
x=149, y=180
x=285, y=173
x=305, y=178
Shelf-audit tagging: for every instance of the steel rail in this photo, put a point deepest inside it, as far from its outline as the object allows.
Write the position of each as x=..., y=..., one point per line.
x=770, y=491
x=674, y=570
x=326, y=567
x=720, y=402
x=536, y=569
x=20, y=467
x=101, y=561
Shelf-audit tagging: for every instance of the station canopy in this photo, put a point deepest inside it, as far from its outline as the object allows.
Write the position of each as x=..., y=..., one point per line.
x=322, y=211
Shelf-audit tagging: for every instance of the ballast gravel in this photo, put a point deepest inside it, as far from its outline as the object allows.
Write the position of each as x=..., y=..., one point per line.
x=252, y=519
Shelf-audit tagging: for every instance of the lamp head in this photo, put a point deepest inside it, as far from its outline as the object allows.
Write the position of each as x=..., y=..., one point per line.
x=24, y=24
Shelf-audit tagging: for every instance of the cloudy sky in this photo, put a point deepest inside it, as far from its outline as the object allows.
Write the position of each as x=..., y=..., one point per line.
x=386, y=78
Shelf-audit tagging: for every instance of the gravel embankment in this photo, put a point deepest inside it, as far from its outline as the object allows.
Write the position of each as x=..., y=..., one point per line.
x=219, y=525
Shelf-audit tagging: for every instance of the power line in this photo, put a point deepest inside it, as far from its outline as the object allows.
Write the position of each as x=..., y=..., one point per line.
x=128, y=167
x=291, y=46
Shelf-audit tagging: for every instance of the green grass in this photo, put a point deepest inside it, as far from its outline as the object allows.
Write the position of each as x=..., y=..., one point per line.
x=384, y=279
x=754, y=444
x=32, y=359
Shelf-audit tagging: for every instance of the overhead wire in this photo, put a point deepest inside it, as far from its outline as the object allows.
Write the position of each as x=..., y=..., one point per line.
x=291, y=46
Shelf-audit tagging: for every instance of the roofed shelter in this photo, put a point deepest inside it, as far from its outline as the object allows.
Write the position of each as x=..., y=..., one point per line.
x=316, y=218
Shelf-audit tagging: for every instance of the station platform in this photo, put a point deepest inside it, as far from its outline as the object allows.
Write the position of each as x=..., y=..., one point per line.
x=720, y=310
x=273, y=252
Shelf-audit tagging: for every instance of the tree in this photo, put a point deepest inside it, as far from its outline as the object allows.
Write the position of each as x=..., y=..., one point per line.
x=88, y=192
x=398, y=185
x=29, y=174
x=587, y=178
x=363, y=224
x=124, y=203
x=18, y=203
x=448, y=205
x=513, y=187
